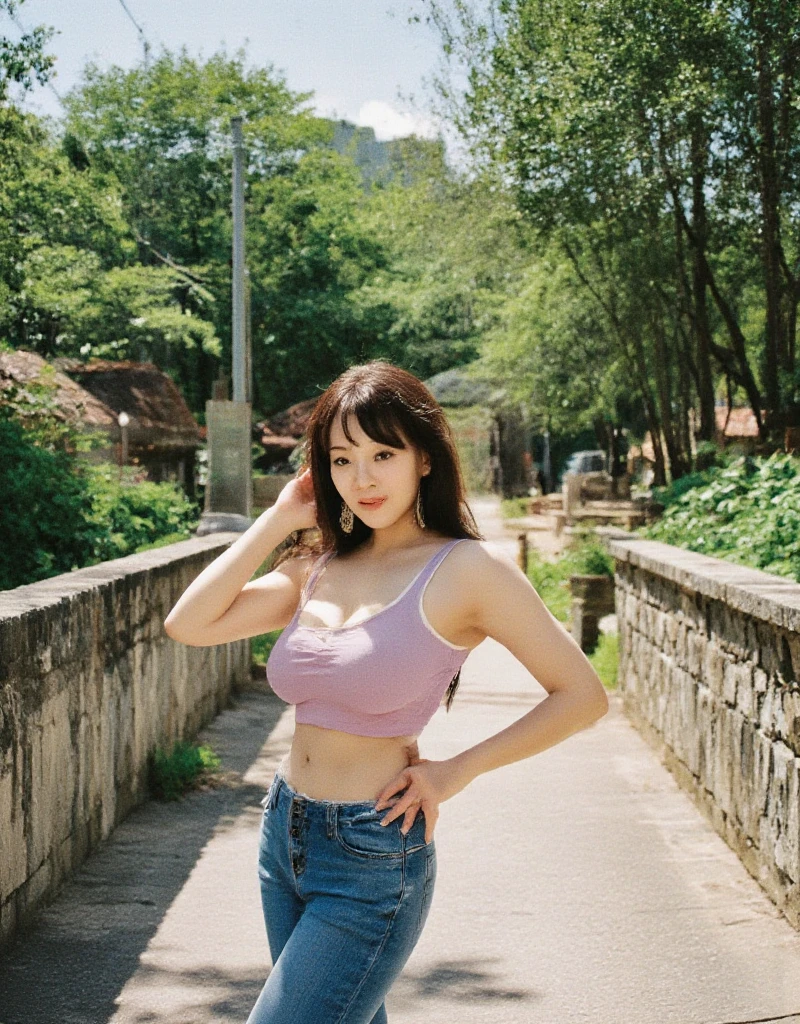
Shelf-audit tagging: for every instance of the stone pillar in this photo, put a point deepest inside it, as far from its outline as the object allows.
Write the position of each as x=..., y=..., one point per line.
x=229, y=489
x=592, y=598
x=571, y=489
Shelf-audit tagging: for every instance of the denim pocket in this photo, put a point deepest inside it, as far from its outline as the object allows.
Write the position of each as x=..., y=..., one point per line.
x=362, y=834
x=415, y=837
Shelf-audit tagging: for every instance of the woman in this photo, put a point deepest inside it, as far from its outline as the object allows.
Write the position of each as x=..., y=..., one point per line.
x=376, y=630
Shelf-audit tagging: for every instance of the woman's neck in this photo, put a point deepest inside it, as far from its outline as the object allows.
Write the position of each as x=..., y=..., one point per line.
x=402, y=534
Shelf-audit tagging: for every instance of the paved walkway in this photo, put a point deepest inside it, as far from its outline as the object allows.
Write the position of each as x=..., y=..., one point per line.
x=578, y=886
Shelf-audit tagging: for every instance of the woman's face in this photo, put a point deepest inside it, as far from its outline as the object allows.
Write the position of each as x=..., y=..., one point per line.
x=378, y=482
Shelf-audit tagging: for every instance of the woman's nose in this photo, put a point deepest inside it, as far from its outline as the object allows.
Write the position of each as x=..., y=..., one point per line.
x=363, y=475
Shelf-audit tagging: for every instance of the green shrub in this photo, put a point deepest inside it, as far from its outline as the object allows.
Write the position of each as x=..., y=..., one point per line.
x=747, y=511
x=59, y=512
x=551, y=582
x=605, y=659
x=129, y=515
x=183, y=768
x=45, y=508
x=588, y=558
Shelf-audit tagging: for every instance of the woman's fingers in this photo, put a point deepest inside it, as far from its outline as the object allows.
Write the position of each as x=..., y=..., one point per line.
x=398, y=783
x=411, y=813
x=405, y=803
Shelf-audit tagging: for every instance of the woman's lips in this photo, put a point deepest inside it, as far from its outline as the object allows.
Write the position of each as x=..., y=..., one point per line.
x=374, y=503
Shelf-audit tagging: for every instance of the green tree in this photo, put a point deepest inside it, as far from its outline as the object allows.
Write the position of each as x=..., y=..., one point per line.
x=661, y=136
x=456, y=249
x=312, y=315
x=23, y=61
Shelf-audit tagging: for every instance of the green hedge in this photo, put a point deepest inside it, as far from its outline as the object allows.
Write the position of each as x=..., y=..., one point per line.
x=58, y=512
x=747, y=511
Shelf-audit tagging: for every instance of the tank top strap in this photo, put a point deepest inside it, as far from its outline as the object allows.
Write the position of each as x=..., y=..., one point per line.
x=313, y=576
x=435, y=562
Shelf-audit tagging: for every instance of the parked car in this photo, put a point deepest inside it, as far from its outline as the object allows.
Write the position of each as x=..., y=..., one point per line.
x=586, y=462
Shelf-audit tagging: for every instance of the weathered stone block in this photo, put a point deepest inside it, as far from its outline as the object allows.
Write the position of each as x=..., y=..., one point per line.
x=745, y=691
x=782, y=817
x=712, y=658
x=13, y=844
x=90, y=685
x=790, y=707
x=713, y=672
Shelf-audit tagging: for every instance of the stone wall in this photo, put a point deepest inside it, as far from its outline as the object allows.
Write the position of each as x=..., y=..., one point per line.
x=709, y=669
x=90, y=684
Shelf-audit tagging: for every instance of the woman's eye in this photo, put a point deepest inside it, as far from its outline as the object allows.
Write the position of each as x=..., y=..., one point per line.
x=388, y=454
x=339, y=461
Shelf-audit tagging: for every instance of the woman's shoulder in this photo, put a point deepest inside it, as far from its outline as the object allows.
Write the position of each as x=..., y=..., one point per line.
x=474, y=575
x=471, y=557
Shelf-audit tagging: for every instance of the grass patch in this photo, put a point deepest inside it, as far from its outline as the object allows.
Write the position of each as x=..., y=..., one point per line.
x=514, y=508
x=605, y=659
x=551, y=582
x=173, y=773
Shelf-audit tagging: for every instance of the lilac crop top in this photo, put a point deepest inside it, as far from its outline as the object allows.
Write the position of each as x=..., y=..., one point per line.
x=383, y=676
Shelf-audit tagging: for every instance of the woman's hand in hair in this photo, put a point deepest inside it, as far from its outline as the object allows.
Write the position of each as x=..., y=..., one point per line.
x=296, y=502
x=427, y=784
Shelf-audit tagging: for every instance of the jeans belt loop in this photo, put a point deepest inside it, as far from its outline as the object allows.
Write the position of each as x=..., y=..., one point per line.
x=330, y=821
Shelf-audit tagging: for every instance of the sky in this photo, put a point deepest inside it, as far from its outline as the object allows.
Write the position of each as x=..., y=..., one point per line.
x=361, y=58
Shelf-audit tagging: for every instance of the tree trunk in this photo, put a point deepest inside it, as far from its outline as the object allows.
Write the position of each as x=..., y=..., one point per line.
x=776, y=344
x=705, y=380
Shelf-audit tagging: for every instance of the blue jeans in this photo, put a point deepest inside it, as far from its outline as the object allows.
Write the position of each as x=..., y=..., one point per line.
x=345, y=900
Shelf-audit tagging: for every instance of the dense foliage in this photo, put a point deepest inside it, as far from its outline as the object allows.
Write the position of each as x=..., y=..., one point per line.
x=115, y=234
x=115, y=240
x=59, y=512
x=746, y=511
x=653, y=146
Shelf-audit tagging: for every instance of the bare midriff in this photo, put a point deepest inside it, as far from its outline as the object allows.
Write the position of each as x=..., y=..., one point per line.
x=326, y=764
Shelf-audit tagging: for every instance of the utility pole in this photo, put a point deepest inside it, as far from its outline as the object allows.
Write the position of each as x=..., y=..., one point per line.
x=239, y=332
x=229, y=490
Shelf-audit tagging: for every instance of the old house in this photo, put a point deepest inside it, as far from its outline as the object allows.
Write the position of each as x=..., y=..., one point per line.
x=163, y=436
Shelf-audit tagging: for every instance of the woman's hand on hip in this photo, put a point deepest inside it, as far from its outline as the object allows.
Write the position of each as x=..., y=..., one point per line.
x=427, y=784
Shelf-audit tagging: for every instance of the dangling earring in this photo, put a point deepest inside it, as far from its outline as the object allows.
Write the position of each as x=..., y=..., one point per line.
x=418, y=509
x=346, y=518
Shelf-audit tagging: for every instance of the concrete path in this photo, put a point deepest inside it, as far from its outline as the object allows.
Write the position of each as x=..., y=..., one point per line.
x=578, y=886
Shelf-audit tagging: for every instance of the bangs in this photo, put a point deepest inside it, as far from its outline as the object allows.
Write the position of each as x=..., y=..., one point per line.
x=386, y=422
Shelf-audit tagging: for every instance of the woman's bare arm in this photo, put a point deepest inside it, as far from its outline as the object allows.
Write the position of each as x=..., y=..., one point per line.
x=507, y=608
x=220, y=605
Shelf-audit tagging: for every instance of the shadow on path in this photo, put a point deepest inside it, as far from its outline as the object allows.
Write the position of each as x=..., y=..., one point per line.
x=71, y=966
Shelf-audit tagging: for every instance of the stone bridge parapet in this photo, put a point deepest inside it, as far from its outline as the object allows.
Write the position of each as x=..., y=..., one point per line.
x=90, y=685
x=709, y=670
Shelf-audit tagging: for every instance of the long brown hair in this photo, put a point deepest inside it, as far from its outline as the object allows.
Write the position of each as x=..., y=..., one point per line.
x=393, y=407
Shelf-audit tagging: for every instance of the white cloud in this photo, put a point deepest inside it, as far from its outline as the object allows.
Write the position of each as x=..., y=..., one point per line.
x=389, y=123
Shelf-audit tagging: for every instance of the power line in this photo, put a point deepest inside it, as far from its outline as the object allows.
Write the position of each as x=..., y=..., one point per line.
x=139, y=29
x=25, y=32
